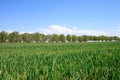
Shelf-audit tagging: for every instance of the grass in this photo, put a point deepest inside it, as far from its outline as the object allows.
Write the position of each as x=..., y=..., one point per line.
x=60, y=61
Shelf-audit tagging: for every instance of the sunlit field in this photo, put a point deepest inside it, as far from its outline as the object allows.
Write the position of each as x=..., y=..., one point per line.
x=60, y=61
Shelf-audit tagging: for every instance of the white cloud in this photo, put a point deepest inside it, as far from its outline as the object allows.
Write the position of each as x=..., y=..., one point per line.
x=57, y=29
x=118, y=32
x=8, y=31
x=119, y=29
x=20, y=32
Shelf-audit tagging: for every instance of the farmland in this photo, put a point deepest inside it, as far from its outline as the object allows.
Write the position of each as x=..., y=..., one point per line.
x=60, y=61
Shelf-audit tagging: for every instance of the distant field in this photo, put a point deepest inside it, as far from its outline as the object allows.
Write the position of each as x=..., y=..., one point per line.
x=60, y=61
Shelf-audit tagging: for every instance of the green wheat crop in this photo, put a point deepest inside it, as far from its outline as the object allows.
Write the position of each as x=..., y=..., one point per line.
x=60, y=61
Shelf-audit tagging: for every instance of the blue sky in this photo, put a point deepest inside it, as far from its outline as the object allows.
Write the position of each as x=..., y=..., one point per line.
x=91, y=17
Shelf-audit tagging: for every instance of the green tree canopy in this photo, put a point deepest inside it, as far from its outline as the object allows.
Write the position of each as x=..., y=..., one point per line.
x=68, y=38
x=14, y=37
x=3, y=36
x=74, y=38
x=62, y=38
x=55, y=38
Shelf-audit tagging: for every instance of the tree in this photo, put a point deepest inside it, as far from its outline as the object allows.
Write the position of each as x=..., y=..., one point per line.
x=110, y=38
x=3, y=36
x=43, y=38
x=85, y=38
x=36, y=37
x=14, y=37
x=80, y=38
x=55, y=38
x=26, y=37
x=62, y=38
x=48, y=38
x=90, y=38
x=116, y=38
x=95, y=38
x=74, y=38
x=20, y=38
x=102, y=37
x=68, y=38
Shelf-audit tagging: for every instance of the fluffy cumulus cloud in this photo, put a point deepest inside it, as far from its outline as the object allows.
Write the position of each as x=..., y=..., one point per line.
x=57, y=29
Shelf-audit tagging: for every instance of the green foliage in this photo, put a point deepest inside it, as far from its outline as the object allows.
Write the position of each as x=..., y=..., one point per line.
x=62, y=38
x=65, y=61
x=36, y=37
x=68, y=38
x=3, y=36
x=15, y=37
x=85, y=38
x=74, y=38
x=55, y=38
x=80, y=39
x=26, y=37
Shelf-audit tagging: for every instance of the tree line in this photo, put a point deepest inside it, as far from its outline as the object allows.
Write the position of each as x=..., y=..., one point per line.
x=16, y=37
